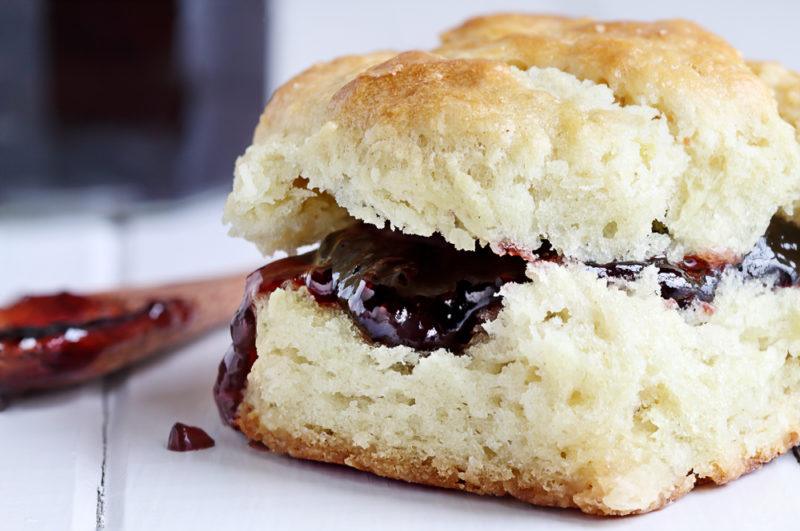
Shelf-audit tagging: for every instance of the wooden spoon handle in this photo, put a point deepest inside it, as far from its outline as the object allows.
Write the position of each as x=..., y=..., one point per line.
x=213, y=300
x=63, y=339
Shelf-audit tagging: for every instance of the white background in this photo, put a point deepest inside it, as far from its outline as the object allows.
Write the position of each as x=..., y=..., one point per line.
x=96, y=455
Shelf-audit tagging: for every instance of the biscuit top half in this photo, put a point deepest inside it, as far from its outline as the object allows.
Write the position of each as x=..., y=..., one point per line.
x=611, y=140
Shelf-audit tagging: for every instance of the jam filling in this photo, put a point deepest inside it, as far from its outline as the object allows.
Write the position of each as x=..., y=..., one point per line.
x=183, y=438
x=422, y=292
x=773, y=260
x=55, y=336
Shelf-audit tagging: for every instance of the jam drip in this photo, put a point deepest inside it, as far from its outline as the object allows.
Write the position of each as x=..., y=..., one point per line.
x=55, y=337
x=183, y=438
x=422, y=292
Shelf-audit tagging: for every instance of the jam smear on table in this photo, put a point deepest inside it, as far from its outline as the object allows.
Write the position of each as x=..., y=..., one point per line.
x=53, y=336
x=183, y=438
x=422, y=292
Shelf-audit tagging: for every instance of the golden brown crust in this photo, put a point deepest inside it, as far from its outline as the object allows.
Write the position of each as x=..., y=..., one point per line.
x=296, y=106
x=761, y=457
x=413, y=469
x=391, y=91
x=672, y=55
x=658, y=63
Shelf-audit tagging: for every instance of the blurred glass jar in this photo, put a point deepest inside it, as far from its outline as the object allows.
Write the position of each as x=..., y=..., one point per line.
x=108, y=103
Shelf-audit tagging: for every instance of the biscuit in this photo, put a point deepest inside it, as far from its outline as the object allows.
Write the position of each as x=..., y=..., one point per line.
x=498, y=137
x=640, y=333
x=578, y=395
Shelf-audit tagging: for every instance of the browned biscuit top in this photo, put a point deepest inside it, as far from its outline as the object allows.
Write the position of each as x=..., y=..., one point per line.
x=520, y=128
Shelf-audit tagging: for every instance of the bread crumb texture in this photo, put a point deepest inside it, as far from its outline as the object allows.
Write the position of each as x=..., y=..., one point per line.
x=520, y=128
x=579, y=394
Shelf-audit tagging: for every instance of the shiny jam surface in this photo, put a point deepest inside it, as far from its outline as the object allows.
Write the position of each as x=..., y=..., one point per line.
x=423, y=293
x=773, y=260
x=52, y=336
x=183, y=438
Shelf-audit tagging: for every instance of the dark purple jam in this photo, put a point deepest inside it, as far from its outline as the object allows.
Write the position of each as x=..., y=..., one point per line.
x=422, y=292
x=183, y=438
x=54, y=337
x=684, y=282
x=772, y=260
x=410, y=290
x=775, y=257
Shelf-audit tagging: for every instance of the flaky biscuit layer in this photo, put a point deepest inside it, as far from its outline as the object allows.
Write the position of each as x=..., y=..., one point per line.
x=613, y=140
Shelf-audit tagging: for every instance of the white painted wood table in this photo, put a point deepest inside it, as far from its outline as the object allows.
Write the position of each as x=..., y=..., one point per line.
x=95, y=456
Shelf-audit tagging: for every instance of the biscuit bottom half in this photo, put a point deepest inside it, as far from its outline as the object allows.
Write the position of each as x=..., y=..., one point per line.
x=579, y=393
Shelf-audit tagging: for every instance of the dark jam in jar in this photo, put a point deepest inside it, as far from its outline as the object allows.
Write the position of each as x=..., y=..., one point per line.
x=423, y=293
x=52, y=338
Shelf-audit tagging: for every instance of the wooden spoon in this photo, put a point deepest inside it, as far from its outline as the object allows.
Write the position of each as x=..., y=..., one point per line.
x=63, y=339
